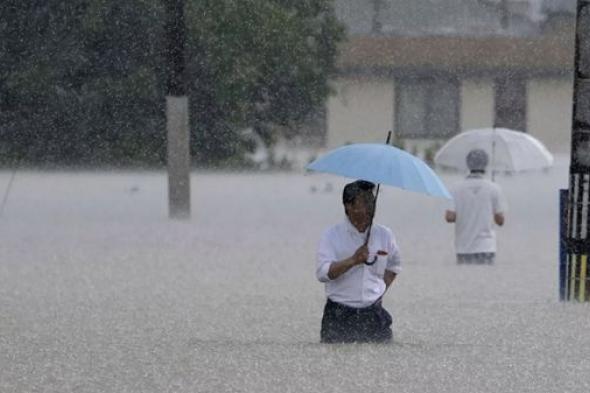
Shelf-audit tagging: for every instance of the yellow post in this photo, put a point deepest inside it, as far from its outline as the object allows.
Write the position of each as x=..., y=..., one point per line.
x=582, y=278
x=572, y=273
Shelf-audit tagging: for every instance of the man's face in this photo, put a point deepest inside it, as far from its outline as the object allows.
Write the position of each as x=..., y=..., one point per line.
x=360, y=211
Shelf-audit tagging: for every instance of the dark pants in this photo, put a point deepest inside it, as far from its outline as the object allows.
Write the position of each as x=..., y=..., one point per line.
x=343, y=324
x=479, y=258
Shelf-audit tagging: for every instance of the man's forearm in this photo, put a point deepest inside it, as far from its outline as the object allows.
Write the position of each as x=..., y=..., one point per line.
x=339, y=268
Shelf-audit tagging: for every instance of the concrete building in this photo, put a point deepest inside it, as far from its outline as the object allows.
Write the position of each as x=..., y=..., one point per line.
x=430, y=69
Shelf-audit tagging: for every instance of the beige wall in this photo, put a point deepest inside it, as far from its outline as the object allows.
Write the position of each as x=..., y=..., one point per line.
x=549, y=112
x=477, y=103
x=360, y=111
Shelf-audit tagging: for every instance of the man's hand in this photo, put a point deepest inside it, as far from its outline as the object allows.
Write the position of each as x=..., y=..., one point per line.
x=450, y=216
x=339, y=268
x=361, y=255
x=388, y=277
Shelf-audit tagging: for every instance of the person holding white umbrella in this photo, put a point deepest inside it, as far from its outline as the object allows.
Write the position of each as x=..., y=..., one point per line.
x=509, y=151
x=478, y=204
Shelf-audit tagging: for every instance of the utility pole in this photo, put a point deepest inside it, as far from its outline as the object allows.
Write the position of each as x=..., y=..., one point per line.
x=504, y=18
x=177, y=124
x=577, y=279
x=501, y=6
x=376, y=27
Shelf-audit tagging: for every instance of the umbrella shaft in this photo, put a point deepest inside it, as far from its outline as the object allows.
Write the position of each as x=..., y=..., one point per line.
x=376, y=195
x=372, y=214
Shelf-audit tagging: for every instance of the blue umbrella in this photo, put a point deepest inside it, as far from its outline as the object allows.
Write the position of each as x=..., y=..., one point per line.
x=381, y=164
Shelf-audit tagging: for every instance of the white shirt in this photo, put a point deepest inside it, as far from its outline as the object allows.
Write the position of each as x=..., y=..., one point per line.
x=361, y=285
x=475, y=202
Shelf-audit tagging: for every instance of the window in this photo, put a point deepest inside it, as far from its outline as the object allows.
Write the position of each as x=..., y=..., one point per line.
x=427, y=107
x=510, y=103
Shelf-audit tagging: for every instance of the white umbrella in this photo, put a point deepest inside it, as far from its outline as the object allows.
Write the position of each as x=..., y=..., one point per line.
x=509, y=150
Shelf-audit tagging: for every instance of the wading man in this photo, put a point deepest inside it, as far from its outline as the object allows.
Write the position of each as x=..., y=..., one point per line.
x=357, y=273
x=478, y=205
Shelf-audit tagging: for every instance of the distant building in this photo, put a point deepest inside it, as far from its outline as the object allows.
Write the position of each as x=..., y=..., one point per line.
x=430, y=69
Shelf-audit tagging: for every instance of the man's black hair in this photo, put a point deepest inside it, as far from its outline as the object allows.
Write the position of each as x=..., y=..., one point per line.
x=352, y=190
x=477, y=160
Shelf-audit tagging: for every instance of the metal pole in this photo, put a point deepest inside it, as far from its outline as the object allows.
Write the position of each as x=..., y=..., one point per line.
x=505, y=17
x=177, y=124
x=7, y=192
x=578, y=217
x=562, y=271
x=376, y=27
x=493, y=154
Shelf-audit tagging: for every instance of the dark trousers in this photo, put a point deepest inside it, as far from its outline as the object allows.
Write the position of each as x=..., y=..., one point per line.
x=343, y=324
x=478, y=258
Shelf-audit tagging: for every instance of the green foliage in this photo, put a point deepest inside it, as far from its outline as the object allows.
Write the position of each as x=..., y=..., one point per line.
x=398, y=141
x=256, y=63
x=79, y=82
x=430, y=152
x=83, y=81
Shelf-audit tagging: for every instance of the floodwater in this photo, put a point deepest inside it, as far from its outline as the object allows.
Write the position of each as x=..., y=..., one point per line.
x=100, y=292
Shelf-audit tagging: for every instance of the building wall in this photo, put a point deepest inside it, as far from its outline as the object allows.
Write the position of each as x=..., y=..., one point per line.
x=477, y=103
x=360, y=111
x=549, y=112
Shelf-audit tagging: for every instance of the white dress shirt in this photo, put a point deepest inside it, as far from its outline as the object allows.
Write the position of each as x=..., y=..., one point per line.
x=475, y=201
x=361, y=285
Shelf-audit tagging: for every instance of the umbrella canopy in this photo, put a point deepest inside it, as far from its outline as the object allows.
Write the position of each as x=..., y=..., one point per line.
x=382, y=164
x=508, y=150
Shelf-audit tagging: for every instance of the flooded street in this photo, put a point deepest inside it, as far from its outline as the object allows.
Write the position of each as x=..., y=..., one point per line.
x=100, y=292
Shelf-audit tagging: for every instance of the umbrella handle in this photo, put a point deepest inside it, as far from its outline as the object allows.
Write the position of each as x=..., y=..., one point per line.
x=370, y=263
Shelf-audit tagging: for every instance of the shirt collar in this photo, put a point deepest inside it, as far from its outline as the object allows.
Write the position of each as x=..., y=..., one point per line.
x=475, y=175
